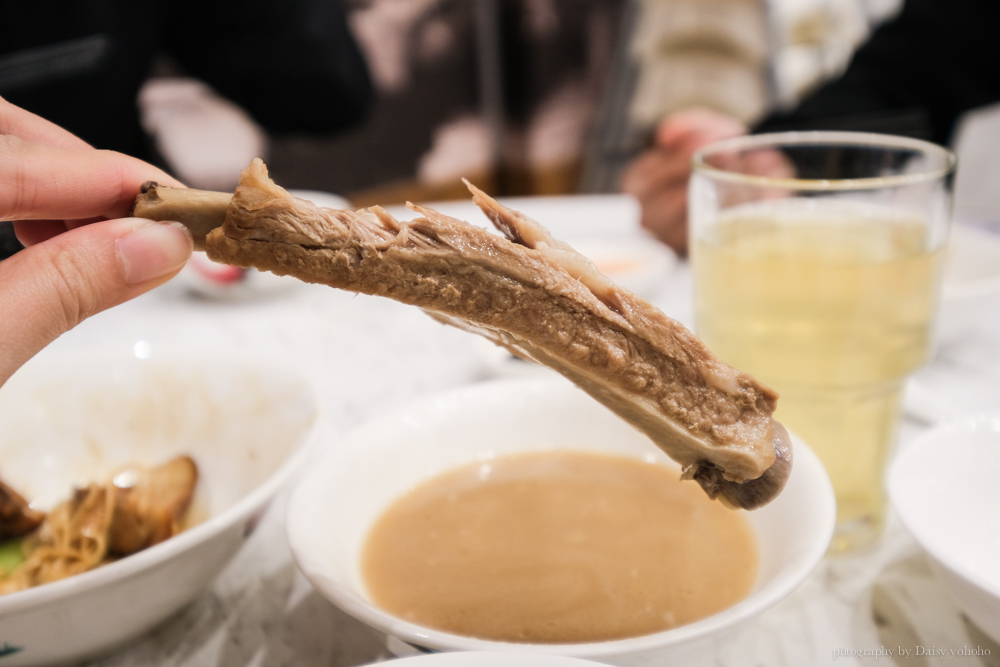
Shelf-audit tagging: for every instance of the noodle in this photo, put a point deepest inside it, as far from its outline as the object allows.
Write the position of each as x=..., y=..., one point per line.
x=73, y=539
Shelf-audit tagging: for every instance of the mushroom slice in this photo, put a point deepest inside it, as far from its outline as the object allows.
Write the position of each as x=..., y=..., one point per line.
x=16, y=516
x=150, y=504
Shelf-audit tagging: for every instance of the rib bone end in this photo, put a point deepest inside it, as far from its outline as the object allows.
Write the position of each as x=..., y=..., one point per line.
x=752, y=493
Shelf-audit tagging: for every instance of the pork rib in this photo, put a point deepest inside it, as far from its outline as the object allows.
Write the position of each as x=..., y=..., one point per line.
x=531, y=294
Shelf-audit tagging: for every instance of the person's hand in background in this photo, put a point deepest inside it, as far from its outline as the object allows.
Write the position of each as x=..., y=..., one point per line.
x=659, y=177
x=67, y=201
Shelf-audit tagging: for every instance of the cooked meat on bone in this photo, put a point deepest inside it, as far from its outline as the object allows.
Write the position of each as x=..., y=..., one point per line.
x=16, y=516
x=529, y=293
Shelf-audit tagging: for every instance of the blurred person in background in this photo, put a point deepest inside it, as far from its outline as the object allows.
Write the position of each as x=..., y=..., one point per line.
x=915, y=77
x=293, y=66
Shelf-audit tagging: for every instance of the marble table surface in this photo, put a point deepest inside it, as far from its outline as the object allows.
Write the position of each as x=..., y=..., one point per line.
x=365, y=354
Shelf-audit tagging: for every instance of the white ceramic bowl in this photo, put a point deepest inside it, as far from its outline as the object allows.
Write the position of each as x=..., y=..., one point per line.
x=331, y=510
x=76, y=416
x=486, y=659
x=944, y=487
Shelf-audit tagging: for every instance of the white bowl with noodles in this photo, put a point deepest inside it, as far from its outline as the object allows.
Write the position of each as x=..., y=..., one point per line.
x=333, y=508
x=78, y=415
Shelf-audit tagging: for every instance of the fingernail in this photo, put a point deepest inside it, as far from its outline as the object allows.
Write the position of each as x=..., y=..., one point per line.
x=152, y=250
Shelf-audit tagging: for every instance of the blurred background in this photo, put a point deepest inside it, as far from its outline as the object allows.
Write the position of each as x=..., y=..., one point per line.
x=522, y=97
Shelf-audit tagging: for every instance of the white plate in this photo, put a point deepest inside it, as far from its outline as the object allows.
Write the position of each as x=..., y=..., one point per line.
x=603, y=227
x=944, y=487
x=566, y=216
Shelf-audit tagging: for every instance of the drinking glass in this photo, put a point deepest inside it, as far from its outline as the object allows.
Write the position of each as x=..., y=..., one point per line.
x=817, y=259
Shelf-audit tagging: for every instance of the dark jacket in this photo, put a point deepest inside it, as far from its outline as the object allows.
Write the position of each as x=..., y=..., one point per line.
x=915, y=76
x=292, y=65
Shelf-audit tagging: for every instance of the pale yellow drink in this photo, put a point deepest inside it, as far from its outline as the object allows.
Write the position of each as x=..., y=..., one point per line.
x=832, y=306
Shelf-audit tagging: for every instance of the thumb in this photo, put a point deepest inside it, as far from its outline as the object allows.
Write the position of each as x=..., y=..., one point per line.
x=49, y=288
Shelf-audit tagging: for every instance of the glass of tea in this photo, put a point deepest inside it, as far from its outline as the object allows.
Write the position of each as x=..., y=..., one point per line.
x=817, y=259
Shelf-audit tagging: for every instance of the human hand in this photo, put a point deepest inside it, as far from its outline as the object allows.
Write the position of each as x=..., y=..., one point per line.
x=659, y=177
x=67, y=200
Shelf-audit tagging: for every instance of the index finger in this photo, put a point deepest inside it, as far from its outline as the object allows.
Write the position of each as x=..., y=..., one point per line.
x=44, y=182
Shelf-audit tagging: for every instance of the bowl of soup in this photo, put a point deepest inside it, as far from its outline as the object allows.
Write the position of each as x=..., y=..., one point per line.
x=521, y=515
